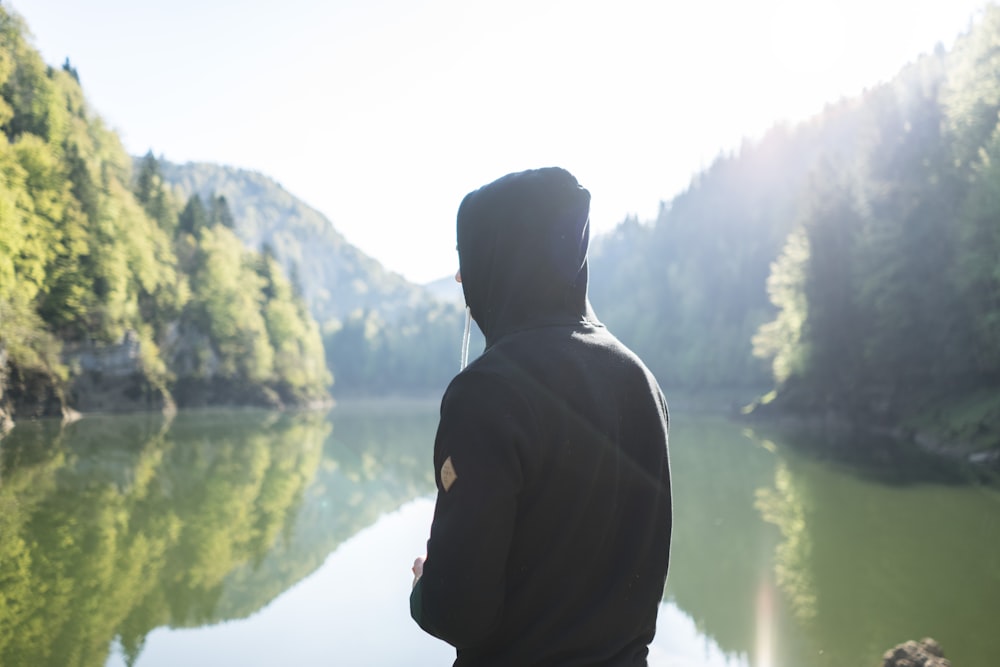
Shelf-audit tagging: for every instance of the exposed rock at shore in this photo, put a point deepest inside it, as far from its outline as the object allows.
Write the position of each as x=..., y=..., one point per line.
x=30, y=393
x=111, y=378
x=6, y=420
x=963, y=426
x=198, y=393
x=925, y=653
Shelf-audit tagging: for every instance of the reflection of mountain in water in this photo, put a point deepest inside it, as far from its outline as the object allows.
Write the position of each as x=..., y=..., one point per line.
x=112, y=527
x=867, y=564
x=373, y=463
x=827, y=564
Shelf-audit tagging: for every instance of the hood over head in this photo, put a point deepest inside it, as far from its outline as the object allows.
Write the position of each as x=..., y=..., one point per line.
x=522, y=250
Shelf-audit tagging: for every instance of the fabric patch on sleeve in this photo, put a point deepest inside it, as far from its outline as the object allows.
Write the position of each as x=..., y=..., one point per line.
x=448, y=474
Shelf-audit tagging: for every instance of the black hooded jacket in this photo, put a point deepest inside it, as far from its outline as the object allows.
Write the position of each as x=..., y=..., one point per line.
x=551, y=533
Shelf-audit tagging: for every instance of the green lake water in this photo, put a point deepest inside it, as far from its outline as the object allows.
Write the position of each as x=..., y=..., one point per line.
x=253, y=538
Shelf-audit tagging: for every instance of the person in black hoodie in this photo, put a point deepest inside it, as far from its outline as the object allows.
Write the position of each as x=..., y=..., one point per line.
x=551, y=533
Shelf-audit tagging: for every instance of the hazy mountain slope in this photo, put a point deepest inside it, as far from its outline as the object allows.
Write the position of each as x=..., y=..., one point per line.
x=336, y=278
x=447, y=290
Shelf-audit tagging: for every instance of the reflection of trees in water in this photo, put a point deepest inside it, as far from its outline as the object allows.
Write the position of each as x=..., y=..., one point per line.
x=859, y=562
x=721, y=552
x=868, y=561
x=119, y=525
x=785, y=507
x=114, y=526
x=66, y=592
x=375, y=460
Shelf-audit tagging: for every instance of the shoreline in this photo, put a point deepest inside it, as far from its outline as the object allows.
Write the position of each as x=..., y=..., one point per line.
x=837, y=430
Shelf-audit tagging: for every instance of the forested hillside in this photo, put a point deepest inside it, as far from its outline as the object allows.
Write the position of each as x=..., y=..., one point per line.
x=852, y=261
x=113, y=297
x=336, y=278
x=382, y=335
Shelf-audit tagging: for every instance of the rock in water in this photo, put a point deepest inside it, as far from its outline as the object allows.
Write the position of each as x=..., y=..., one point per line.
x=925, y=653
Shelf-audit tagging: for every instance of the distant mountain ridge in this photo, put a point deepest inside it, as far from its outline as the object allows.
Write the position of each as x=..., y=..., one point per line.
x=446, y=289
x=336, y=278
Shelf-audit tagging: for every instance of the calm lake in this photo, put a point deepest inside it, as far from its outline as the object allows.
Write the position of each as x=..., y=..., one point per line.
x=253, y=538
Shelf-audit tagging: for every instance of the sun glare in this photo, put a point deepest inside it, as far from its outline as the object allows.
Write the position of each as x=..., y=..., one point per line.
x=765, y=626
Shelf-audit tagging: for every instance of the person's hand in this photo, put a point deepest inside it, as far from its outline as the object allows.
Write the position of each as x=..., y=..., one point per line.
x=418, y=569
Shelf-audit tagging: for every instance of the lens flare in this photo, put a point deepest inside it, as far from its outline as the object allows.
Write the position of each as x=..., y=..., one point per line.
x=765, y=626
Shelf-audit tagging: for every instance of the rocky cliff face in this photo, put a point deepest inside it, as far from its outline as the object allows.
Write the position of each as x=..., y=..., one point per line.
x=6, y=419
x=199, y=380
x=103, y=378
x=111, y=378
x=28, y=394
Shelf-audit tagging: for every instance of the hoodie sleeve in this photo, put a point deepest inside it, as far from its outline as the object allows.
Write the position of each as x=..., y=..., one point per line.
x=478, y=469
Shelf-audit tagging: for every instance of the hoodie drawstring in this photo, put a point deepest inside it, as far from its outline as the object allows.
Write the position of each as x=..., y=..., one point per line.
x=465, y=339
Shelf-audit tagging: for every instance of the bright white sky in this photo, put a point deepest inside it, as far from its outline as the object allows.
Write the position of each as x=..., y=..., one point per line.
x=382, y=114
